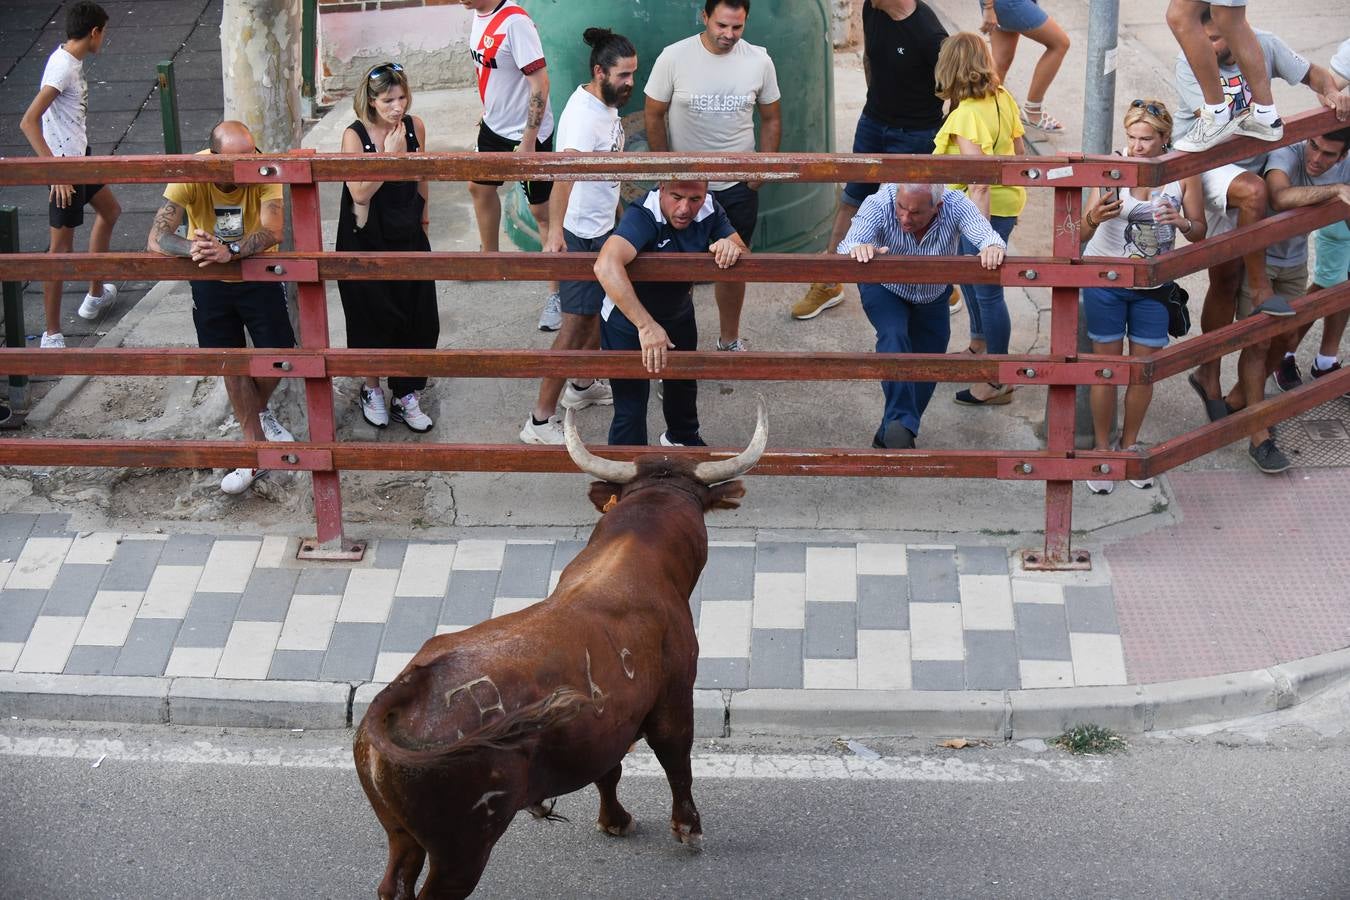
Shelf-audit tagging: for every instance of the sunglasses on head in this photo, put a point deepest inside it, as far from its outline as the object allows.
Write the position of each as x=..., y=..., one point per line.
x=1150, y=108
x=387, y=67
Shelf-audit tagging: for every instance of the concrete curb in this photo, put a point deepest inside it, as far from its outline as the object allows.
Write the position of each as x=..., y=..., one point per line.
x=992, y=715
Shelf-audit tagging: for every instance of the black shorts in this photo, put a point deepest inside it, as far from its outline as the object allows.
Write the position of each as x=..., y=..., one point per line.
x=582, y=298
x=489, y=141
x=224, y=310
x=742, y=205
x=72, y=216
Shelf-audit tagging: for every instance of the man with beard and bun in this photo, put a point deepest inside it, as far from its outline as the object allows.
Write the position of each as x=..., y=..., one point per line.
x=701, y=97
x=581, y=217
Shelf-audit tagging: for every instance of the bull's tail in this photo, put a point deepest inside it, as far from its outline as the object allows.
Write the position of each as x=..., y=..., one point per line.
x=504, y=733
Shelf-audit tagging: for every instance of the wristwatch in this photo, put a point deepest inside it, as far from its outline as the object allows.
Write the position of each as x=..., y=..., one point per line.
x=233, y=247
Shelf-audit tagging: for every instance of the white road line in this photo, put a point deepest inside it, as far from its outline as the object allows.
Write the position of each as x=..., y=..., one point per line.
x=737, y=766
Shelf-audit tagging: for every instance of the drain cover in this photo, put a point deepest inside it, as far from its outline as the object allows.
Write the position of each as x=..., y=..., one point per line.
x=1320, y=437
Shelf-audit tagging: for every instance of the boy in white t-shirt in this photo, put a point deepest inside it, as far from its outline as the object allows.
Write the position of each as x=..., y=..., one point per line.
x=55, y=126
x=581, y=217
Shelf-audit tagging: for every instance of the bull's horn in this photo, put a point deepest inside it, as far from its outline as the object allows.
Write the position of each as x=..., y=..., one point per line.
x=727, y=469
x=611, y=470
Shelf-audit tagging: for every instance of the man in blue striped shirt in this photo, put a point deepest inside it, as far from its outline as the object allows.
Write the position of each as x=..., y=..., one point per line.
x=914, y=220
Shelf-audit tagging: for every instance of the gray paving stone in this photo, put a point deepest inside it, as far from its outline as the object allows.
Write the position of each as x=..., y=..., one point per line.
x=72, y=593
x=84, y=660
x=1091, y=608
x=831, y=631
x=351, y=652
x=729, y=574
x=695, y=607
x=322, y=581
x=53, y=524
x=1042, y=631
x=18, y=611
x=982, y=560
x=938, y=675
x=296, y=665
x=932, y=577
x=148, y=646
x=389, y=553
x=883, y=601
x=776, y=658
x=991, y=661
x=566, y=551
x=525, y=570
x=208, y=621
x=187, y=550
x=469, y=596
x=411, y=621
x=780, y=557
x=132, y=566
x=728, y=674
x=267, y=596
x=14, y=531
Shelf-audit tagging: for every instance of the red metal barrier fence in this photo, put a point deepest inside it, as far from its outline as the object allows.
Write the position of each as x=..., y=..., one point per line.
x=1061, y=369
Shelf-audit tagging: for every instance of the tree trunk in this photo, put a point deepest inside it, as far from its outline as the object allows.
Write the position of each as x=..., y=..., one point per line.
x=260, y=57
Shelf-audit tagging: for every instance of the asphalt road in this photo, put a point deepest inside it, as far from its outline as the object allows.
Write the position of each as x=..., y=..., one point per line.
x=200, y=813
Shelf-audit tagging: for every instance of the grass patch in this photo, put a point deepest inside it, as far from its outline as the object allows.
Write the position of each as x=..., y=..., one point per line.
x=1090, y=740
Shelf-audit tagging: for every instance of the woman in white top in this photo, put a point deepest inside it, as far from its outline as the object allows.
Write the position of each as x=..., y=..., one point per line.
x=1140, y=223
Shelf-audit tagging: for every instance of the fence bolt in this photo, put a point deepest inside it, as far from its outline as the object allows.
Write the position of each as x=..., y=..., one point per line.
x=1030, y=373
x=1104, y=468
x=286, y=366
x=1115, y=174
x=1105, y=373
x=1033, y=174
x=267, y=170
x=277, y=269
x=1025, y=468
x=290, y=458
x=1030, y=274
x=1112, y=275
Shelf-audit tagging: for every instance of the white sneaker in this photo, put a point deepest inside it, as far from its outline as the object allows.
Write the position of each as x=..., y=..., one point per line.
x=736, y=345
x=665, y=441
x=407, y=411
x=1101, y=487
x=550, y=432
x=92, y=305
x=551, y=318
x=1250, y=127
x=238, y=480
x=272, y=429
x=1141, y=483
x=373, y=408
x=52, y=341
x=598, y=394
x=1206, y=133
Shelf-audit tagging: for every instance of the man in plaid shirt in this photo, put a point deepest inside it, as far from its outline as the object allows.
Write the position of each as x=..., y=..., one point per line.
x=913, y=220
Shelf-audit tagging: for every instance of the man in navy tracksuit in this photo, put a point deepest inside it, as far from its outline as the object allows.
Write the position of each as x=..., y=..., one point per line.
x=656, y=317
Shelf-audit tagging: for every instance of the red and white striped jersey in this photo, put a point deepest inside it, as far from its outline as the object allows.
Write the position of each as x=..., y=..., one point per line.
x=505, y=48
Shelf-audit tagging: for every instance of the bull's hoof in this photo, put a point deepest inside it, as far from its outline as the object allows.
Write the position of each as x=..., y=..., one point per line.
x=617, y=830
x=691, y=839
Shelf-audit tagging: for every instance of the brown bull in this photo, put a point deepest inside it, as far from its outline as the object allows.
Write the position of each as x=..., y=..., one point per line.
x=535, y=704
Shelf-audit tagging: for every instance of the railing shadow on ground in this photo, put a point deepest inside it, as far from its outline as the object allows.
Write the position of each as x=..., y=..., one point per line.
x=1061, y=370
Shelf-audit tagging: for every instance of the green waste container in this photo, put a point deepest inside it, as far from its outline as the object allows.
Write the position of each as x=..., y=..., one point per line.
x=796, y=33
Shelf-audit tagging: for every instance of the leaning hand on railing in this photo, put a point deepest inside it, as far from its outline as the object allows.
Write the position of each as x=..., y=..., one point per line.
x=864, y=252
x=1339, y=101
x=991, y=257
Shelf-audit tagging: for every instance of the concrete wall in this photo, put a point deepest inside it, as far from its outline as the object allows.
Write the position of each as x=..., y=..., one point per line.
x=430, y=41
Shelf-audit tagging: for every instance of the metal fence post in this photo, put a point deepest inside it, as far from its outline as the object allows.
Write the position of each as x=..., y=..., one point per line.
x=168, y=108
x=307, y=226
x=309, y=51
x=14, y=330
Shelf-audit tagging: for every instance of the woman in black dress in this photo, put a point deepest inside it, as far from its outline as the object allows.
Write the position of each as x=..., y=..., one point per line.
x=391, y=215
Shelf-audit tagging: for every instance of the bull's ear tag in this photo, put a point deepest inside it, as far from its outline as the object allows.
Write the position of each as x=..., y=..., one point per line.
x=613, y=499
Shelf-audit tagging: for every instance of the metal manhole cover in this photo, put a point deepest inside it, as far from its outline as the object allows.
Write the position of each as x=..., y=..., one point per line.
x=1320, y=437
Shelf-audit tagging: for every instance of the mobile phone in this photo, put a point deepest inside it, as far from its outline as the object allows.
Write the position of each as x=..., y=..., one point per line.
x=1110, y=195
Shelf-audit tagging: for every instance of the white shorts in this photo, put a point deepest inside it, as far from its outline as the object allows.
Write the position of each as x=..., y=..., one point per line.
x=1219, y=219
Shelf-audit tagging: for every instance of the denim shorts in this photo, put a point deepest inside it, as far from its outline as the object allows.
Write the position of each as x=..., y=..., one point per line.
x=873, y=136
x=1333, y=255
x=1019, y=15
x=582, y=298
x=1112, y=313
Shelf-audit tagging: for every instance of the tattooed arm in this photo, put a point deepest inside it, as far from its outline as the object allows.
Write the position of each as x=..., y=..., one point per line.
x=162, y=237
x=534, y=114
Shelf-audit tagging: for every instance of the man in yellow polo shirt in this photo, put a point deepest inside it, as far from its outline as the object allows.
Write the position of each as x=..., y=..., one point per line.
x=227, y=222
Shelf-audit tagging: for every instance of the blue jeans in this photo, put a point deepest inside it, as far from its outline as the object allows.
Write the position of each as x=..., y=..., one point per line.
x=989, y=319
x=679, y=399
x=872, y=136
x=905, y=327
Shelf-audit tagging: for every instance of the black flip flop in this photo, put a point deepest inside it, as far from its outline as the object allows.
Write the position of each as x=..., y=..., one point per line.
x=1214, y=409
